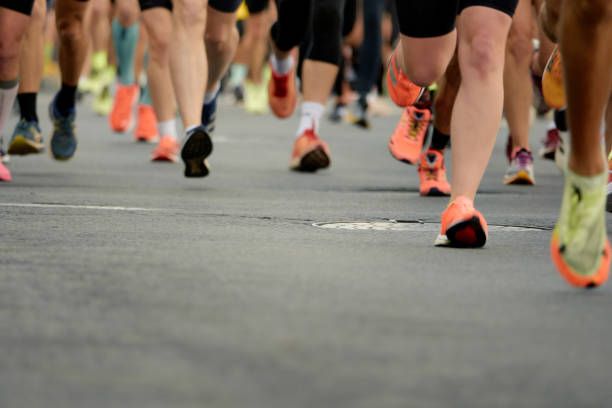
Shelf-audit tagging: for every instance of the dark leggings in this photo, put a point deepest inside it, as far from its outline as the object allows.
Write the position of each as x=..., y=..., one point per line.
x=370, y=50
x=297, y=17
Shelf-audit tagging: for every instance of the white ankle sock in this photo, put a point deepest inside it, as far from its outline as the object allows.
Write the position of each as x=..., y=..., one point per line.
x=167, y=128
x=8, y=92
x=282, y=67
x=311, y=116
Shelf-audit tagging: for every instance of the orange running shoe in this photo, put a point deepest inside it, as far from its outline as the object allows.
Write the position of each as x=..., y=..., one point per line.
x=167, y=150
x=282, y=92
x=552, y=82
x=5, y=174
x=462, y=226
x=309, y=153
x=121, y=118
x=401, y=89
x=406, y=142
x=432, y=174
x=146, y=128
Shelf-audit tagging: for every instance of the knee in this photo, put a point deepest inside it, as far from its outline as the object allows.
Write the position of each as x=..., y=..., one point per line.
x=9, y=47
x=221, y=37
x=70, y=29
x=125, y=14
x=423, y=75
x=159, y=47
x=483, y=57
x=520, y=45
x=190, y=13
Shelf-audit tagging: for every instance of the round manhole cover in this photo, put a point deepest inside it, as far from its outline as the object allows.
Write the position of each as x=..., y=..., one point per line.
x=415, y=226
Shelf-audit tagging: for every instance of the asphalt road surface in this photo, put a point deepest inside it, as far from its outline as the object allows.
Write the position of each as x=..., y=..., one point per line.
x=126, y=285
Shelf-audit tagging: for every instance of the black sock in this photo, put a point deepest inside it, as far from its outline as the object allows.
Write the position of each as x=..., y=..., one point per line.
x=27, y=106
x=439, y=140
x=66, y=98
x=560, y=119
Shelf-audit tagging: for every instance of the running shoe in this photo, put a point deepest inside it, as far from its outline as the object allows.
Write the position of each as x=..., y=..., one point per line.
x=462, y=225
x=238, y=93
x=552, y=82
x=550, y=143
x=359, y=115
x=309, y=153
x=196, y=148
x=401, y=89
x=63, y=140
x=5, y=174
x=432, y=174
x=26, y=139
x=338, y=113
x=282, y=93
x=520, y=170
x=406, y=142
x=209, y=116
x=121, y=118
x=166, y=150
x=579, y=247
x=103, y=102
x=255, y=98
x=146, y=127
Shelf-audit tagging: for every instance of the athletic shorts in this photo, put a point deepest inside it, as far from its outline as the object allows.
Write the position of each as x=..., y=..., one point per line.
x=225, y=6
x=20, y=6
x=257, y=6
x=433, y=18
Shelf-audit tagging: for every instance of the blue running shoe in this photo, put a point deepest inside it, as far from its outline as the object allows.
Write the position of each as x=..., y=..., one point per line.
x=26, y=139
x=63, y=140
x=209, y=116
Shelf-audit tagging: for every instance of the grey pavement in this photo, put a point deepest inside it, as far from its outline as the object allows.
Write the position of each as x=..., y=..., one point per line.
x=126, y=285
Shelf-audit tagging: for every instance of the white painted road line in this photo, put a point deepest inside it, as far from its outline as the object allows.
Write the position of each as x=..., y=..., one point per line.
x=78, y=207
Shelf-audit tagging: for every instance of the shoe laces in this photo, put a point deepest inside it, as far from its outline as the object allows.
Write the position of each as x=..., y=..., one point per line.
x=523, y=158
x=64, y=126
x=416, y=123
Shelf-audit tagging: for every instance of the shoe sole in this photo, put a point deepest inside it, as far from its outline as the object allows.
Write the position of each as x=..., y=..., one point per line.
x=464, y=234
x=313, y=161
x=21, y=146
x=434, y=192
x=521, y=178
x=598, y=278
x=196, y=149
x=402, y=159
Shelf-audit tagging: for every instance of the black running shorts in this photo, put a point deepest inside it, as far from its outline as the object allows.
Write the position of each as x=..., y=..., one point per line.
x=257, y=6
x=225, y=6
x=433, y=18
x=20, y=6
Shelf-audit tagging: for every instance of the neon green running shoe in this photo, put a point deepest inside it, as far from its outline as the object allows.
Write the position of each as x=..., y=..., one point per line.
x=256, y=97
x=103, y=102
x=579, y=246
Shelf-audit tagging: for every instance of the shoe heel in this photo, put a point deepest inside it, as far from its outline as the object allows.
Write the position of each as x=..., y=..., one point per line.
x=196, y=149
x=467, y=234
